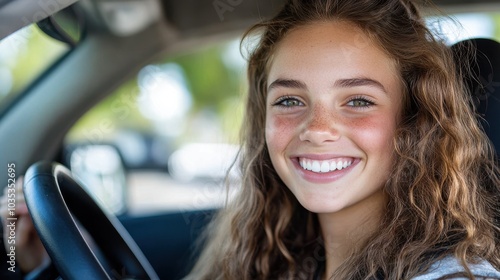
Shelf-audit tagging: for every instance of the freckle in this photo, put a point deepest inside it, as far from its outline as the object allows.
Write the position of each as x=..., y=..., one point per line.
x=283, y=125
x=323, y=116
x=361, y=123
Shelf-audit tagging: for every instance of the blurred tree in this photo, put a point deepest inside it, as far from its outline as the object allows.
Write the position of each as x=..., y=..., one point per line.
x=211, y=82
x=496, y=18
x=213, y=85
x=30, y=52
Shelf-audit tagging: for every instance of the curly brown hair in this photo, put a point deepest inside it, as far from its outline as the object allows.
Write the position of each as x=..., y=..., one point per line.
x=444, y=194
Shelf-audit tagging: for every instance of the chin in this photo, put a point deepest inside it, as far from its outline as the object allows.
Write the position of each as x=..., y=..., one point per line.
x=321, y=206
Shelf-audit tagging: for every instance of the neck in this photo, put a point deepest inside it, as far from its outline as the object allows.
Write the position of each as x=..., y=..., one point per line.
x=345, y=230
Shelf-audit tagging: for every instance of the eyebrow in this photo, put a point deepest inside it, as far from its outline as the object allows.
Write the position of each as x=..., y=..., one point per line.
x=343, y=83
x=358, y=82
x=287, y=83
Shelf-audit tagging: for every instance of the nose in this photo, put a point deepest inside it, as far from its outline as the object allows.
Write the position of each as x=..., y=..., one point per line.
x=321, y=126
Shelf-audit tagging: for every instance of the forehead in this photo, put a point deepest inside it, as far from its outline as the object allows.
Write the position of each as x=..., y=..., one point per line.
x=334, y=49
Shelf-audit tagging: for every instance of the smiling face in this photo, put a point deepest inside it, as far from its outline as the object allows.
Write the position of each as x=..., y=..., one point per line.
x=334, y=99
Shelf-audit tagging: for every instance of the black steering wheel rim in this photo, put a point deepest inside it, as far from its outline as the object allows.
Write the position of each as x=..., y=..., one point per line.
x=54, y=199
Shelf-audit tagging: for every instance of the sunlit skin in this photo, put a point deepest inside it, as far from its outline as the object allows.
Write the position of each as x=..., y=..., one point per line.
x=334, y=96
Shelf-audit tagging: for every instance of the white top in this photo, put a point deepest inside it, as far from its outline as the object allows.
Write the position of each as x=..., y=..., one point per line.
x=450, y=266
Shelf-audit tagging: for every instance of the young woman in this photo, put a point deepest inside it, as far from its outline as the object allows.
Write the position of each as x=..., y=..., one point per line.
x=362, y=157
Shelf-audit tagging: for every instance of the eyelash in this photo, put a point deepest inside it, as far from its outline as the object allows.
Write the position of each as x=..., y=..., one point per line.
x=368, y=102
x=282, y=99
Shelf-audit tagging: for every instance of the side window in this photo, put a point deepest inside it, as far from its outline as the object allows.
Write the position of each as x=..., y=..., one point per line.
x=462, y=26
x=164, y=140
x=31, y=51
x=24, y=56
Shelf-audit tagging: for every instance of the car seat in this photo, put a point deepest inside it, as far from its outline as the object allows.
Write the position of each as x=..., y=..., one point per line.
x=483, y=81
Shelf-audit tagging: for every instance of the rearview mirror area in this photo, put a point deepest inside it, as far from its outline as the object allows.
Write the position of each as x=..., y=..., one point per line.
x=67, y=25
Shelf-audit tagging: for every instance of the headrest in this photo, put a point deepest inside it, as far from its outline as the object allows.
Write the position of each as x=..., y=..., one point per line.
x=482, y=57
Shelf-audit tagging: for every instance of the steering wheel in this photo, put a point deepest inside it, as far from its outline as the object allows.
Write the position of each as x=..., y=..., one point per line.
x=51, y=193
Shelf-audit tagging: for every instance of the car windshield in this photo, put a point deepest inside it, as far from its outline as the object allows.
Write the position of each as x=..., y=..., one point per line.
x=24, y=56
x=175, y=125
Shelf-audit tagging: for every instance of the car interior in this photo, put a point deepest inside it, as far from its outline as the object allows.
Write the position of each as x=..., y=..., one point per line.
x=106, y=44
x=484, y=62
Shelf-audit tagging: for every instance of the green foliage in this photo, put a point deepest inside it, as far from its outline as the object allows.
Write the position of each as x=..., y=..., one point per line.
x=33, y=52
x=119, y=110
x=496, y=19
x=213, y=87
x=210, y=81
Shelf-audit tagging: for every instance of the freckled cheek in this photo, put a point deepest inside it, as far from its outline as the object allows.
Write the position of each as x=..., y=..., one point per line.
x=279, y=131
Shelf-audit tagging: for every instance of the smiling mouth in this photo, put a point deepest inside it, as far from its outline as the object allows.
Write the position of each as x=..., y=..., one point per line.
x=324, y=166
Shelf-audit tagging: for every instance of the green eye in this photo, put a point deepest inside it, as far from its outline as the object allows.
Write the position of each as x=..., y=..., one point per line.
x=288, y=102
x=360, y=102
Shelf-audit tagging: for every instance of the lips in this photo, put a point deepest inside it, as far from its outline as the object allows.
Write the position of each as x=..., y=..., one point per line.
x=323, y=169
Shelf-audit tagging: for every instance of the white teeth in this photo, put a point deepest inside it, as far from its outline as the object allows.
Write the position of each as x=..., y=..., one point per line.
x=333, y=165
x=323, y=166
x=315, y=166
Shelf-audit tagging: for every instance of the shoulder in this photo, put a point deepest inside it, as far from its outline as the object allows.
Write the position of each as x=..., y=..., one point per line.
x=450, y=266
